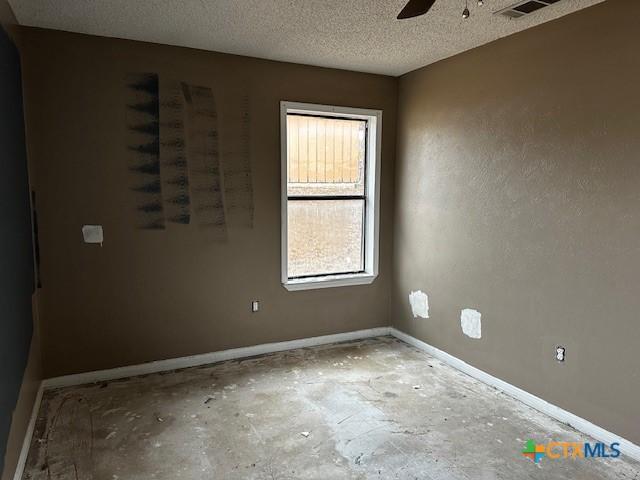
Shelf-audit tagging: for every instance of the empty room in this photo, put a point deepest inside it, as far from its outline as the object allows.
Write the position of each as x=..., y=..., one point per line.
x=320, y=239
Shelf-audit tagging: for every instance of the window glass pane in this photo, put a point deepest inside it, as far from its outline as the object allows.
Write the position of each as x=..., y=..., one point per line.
x=325, y=237
x=325, y=156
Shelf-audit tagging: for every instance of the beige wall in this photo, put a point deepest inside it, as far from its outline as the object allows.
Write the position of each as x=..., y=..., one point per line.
x=149, y=295
x=517, y=193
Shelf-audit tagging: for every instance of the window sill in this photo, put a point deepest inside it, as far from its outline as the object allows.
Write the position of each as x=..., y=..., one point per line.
x=329, y=281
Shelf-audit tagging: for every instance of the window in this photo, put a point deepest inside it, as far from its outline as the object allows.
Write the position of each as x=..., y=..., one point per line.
x=330, y=172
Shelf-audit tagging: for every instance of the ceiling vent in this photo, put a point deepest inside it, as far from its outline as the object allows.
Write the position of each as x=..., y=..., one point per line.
x=525, y=7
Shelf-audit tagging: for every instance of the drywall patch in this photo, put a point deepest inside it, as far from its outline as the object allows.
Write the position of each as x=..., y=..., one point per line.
x=471, y=323
x=419, y=304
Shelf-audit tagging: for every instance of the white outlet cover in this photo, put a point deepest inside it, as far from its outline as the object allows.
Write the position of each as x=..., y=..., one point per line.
x=92, y=234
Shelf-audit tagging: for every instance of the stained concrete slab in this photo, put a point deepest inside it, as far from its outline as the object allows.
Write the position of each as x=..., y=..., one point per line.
x=372, y=409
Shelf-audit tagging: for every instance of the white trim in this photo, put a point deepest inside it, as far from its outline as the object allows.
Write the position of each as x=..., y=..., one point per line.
x=585, y=426
x=329, y=281
x=207, y=358
x=372, y=224
x=284, y=236
x=28, y=435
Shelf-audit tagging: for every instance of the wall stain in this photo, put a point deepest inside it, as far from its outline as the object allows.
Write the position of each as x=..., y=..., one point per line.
x=238, y=183
x=180, y=172
x=143, y=146
x=201, y=120
x=173, y=154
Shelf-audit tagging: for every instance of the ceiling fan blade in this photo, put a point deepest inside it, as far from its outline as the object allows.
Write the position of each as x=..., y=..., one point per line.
x=415, y=8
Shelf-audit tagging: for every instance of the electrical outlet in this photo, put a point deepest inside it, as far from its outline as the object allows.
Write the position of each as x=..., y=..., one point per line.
x=560, y=353
x=255, y=306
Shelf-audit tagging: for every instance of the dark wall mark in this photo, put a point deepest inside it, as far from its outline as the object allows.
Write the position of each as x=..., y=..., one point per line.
x=173, y=142
x=201, y=125
x=238, y=184
x=143, y=144
x=173, y=154
x=36, y=239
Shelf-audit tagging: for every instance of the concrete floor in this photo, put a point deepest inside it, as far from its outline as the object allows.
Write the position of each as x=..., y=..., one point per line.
x=369, y=409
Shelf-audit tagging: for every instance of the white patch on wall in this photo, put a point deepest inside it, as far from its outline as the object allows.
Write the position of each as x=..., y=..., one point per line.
x=92, y=234
x=419, y=304
x=471, y=323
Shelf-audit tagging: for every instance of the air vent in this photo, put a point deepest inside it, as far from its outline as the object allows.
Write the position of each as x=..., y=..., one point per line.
x=524, y=8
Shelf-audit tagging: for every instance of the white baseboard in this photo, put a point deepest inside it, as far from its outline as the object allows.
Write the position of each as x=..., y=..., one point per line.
x=207, y=358
x=626, y=447
x=26, y=443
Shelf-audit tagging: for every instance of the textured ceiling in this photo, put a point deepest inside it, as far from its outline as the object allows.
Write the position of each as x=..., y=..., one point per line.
x=360, y=35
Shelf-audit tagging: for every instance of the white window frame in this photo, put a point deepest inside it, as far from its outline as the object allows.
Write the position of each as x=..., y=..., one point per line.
x=372, y=199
